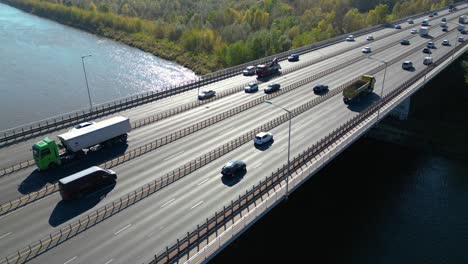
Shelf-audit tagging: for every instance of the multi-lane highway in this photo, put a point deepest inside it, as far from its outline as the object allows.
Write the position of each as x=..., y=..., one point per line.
x=138, y=232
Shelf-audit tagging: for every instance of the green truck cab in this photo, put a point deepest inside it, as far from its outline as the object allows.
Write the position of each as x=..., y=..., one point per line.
x=362, y=86
x=46, y=154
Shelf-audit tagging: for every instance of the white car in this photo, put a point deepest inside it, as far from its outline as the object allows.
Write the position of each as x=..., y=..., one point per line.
x=250, y=70
x=414, y=31
x=431, y=45
x=262, y=138
x=427, y=60
x=445, y=42
x=461, y=39
x=366, y=50
x=370, y=37
x=350, y=38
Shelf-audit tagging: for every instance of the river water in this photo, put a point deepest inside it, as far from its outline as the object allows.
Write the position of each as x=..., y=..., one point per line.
x=378, y=202
x=41, y=72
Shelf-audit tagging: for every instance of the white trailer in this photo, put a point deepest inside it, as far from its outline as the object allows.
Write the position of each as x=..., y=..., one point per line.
x=423, y=31
x=115, y=128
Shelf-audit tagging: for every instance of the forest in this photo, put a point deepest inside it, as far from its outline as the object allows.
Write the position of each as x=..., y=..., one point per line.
x=209, y=35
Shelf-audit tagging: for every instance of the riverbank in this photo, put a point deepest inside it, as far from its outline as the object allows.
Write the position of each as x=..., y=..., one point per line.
x=133, y=32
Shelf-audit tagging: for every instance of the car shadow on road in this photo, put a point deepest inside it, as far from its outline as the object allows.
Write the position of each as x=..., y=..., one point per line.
x=264, y=146
x=66, y=210
x=38, y=179
x=231, y=181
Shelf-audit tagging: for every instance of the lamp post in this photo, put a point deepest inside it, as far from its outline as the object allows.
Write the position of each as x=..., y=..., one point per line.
x=86, y=78
x=289, y=142
x=383, y=83
x=456, y=39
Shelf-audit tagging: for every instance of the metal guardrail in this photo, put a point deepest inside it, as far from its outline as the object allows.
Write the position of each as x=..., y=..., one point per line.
x=228, y=213
x=31, y=197
x=194, y=104
x=108, y=210
x=13, y=134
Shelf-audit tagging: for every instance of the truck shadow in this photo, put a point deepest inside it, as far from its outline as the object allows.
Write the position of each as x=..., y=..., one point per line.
x=38, y=179
x=66, y=210
x=427, y=36
x=231, y=181
x=364, y=103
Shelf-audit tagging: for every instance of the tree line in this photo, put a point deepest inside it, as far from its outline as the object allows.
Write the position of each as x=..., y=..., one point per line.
x=207, y=35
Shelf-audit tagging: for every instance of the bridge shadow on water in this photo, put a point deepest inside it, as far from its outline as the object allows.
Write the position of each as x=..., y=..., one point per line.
x=364, y=102
x=231, y=181
x=66, y=210
x=38, y=179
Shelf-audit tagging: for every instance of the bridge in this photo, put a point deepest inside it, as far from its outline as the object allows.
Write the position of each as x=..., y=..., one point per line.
x=170, y=203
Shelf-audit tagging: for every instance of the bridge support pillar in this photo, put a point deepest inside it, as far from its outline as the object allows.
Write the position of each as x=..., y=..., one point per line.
x=402, y=111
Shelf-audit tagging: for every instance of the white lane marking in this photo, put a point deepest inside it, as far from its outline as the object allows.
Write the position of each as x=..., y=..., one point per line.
x=196, y=205
x=110, y=260
x=202, y=182
x=258, y=165
x=168, y=202
x=70, y=260
x=5, y=235
x=129, y=225
x=301, y=137
x=170, y=157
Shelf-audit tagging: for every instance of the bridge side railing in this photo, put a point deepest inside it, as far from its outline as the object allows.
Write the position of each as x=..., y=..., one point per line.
x=68, y=119
x=201, y=235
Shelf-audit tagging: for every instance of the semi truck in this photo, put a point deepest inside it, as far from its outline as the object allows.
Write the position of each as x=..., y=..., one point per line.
x=264, y=70
x=78, y=142
x=358, y=88
x=423, y=31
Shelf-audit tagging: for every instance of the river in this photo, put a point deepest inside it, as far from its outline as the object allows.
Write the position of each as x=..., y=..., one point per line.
x=41, y=72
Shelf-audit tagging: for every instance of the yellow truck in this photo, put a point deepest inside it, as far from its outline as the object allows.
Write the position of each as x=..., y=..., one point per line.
x=358, y=88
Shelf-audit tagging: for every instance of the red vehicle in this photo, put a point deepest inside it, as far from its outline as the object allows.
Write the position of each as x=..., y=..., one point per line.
x=264, y=70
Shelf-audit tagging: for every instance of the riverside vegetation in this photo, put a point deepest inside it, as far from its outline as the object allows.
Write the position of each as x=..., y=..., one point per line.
x=206, y=35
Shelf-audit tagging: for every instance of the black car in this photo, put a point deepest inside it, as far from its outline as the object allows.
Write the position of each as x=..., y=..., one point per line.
x=404, y=42
x=206, y=94
x=427, y=51
x=444, y=29
x=319, y=88
x=293, y=57
x=233, y=168
x=272, y=87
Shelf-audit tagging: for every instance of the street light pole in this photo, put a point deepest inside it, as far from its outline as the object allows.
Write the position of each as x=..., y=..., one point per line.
x=86, y=79
x=383, y=83
x=456, y=39
x=289, y=144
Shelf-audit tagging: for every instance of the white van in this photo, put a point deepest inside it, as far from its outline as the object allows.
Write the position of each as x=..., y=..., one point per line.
x=427, y=60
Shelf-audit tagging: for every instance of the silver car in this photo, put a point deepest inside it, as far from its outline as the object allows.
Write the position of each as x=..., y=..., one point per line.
x=250, y=70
